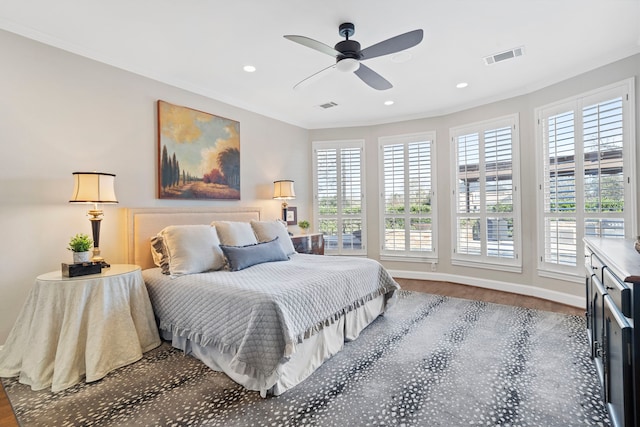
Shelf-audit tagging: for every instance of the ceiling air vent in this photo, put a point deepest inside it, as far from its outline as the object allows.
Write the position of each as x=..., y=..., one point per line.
x=328, y=105
x=503, y=56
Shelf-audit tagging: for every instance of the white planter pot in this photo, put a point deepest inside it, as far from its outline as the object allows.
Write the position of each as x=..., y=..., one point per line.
x=80, y=257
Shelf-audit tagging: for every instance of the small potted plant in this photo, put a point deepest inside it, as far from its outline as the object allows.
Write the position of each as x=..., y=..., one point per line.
x=80, y=244
x=304, y=226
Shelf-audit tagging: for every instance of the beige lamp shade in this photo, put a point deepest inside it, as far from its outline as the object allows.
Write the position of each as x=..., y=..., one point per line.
x=283, y=190
x=93, y=187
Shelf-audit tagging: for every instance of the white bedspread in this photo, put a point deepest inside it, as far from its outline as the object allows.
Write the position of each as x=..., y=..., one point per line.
x=259, y=313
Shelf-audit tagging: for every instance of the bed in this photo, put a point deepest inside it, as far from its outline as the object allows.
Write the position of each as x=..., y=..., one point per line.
x=267, y=317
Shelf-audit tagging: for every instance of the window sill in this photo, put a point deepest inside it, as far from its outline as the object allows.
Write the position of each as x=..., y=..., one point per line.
x=345, y=253
x=408, y=258
x=567, y=277
x=487, y=265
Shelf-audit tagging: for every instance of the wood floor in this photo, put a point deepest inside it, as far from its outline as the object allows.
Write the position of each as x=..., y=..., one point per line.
x=481, y=294
x=7, y=419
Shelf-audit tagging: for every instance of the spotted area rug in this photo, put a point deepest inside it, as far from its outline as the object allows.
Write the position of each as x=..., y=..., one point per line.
x=429, y=361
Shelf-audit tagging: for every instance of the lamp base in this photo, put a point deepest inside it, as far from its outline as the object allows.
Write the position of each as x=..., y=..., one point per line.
x=96, y=255
x=97, y=259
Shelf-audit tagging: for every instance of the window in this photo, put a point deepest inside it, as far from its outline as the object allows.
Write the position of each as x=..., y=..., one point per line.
x=407, y=195
x=339, y=207
x=586, y=160
x=486, y=199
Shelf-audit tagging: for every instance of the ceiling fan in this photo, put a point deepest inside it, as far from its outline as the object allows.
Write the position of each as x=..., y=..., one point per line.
x=348, y=54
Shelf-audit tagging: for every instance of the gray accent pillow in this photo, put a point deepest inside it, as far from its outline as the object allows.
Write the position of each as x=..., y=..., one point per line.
x=241, y=257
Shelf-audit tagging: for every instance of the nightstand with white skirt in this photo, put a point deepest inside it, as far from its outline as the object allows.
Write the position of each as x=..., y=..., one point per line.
x=80, y=327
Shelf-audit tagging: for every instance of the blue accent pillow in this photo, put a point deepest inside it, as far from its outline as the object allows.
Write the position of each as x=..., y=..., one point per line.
x=241, y=257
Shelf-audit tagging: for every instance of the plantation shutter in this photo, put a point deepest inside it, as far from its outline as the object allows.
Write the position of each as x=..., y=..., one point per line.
x=586, y=171
x=485, y=194
x=407, y=195
x=338, y=195
x=498, y=184
x=469, y=195
x=559, y=189
x=603, y=169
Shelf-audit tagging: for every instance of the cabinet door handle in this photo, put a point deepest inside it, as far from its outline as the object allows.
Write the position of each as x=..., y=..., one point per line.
x=598, y=348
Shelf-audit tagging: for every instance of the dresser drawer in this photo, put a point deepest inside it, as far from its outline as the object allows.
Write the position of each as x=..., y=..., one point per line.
x=619, y=292
x=596, y=323
x=597, y=265
x=618, y=365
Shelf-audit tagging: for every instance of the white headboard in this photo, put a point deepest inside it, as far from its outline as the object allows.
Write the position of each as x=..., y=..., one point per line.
x=144, y=223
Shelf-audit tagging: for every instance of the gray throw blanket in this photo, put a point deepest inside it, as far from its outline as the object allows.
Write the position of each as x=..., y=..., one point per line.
x=260, y=313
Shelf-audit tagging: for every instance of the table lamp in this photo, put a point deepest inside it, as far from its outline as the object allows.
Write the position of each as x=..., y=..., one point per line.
x=96, y=188
x=283, y=190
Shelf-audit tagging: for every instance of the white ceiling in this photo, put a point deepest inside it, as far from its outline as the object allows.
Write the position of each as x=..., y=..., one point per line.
x=202, y=46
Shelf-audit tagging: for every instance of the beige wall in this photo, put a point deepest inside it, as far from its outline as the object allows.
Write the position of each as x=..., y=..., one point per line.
x=527, y=282
x=60, y=113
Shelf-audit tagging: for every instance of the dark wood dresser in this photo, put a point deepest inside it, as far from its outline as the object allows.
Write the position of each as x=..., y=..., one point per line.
x=613, y=304
x=312, y=243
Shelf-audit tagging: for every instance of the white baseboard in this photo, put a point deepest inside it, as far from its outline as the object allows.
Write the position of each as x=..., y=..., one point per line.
x=533, y=291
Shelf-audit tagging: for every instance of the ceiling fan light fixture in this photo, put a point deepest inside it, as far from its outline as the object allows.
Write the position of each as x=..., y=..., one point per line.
x=348, y=65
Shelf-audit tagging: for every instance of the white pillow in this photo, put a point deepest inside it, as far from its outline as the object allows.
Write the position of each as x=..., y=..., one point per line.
x=192, y=249
x=269, y=230
x=235, y=233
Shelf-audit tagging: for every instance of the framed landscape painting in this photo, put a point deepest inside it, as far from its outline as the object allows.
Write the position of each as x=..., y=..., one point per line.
x=198, y=155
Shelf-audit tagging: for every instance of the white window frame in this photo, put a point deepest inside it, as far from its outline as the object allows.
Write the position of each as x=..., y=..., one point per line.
x=483, y=260
x=626, y=90
x=408, y=254
x=341, y=216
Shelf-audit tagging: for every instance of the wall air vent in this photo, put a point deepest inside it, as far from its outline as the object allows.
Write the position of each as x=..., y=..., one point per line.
x=328, y=105
x=503, y=56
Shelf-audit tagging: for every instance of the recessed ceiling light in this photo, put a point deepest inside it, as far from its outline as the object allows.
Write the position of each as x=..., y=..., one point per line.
x=388, y=102
x=249, y=68
x=462, y=85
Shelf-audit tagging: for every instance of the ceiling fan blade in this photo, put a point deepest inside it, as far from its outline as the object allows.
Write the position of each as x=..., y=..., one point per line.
x=312, y=78
x=372, y=78
x=393, y=45
x=314, y=44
